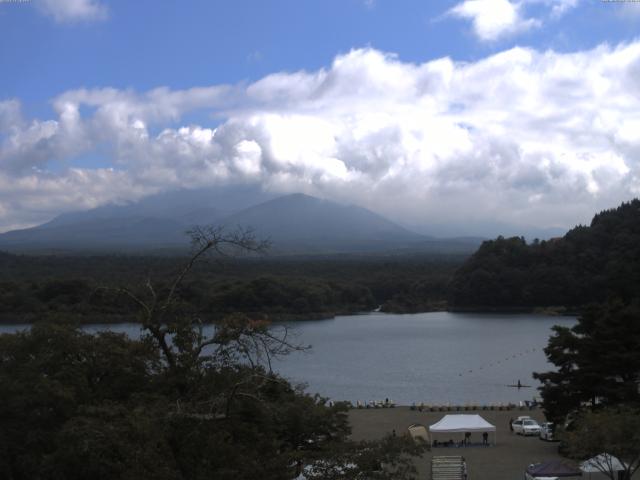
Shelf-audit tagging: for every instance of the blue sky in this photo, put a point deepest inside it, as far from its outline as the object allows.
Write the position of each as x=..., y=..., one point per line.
x=83, y=122
x=179, y=44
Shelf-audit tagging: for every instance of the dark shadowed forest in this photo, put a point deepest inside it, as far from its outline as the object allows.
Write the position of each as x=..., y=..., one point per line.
x=34, y=287
x=589, y=264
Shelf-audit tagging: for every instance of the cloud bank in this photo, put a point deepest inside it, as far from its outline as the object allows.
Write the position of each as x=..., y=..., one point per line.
x=522, y=137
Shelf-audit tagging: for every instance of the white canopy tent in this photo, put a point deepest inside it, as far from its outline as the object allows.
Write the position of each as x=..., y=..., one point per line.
x=461, y=424
x=600, y=464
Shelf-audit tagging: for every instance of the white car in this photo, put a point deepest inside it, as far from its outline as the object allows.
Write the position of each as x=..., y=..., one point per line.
x=546, y=431
x=526, y=426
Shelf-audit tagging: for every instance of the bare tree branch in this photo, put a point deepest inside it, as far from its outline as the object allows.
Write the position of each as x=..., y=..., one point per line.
x=182, y=340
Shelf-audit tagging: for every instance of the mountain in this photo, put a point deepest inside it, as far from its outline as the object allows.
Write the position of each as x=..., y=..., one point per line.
x=300, y=223
x=589, y=264
x=97, y=234
x=155, y=222
x=294, y=223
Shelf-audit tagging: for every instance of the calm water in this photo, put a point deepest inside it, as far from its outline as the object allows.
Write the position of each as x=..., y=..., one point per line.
x=429, y=357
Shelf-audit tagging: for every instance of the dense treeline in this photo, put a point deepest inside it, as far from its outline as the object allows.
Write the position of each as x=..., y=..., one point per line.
x=103, y=406
x=589, y=264
x=79, y=287
x=175, y=404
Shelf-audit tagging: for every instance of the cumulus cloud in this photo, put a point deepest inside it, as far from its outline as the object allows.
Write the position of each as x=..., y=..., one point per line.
x=74, y=10
x=492, y=19
x=522, y=137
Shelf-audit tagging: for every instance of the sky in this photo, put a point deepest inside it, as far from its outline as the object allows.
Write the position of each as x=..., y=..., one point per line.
x=459, y=116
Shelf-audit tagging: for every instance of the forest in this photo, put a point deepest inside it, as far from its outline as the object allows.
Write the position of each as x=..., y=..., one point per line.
x=589, y=264
x=174, y=404
x=284, y=288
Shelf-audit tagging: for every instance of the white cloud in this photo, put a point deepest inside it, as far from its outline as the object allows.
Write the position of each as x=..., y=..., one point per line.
x=561, y=7
x=522, y=136
x=492, y=19
x=36, y=196
x=74, y=10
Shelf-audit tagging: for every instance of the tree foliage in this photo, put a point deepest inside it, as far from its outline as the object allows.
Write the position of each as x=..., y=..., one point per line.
x=588, y=264
x=284, y=288
x=175, y=404
x=597, y=360
x=614, y=431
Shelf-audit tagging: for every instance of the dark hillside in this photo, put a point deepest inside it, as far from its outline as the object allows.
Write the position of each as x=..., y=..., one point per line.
x=589, y=264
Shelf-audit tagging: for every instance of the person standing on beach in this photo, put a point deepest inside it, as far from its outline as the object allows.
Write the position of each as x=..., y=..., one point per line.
x=511, y=424
x=485, y=438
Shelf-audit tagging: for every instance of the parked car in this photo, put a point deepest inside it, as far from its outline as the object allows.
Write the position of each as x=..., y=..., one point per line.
x=546, y=431
x=526, y=426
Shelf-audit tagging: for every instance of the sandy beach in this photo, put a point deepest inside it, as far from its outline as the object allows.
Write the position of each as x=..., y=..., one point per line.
x=506, y=460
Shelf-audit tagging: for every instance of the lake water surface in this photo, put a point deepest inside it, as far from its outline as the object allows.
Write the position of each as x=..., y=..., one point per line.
x=436, y=357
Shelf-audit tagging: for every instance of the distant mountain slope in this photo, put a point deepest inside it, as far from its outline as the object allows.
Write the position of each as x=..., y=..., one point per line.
x=98, y=234
x=588, y=264
x=155, y=222
x=295, y=224
x=302, y=223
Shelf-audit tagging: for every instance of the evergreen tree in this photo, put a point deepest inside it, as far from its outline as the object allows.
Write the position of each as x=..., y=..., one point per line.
x=589, y=264
x=597, y=360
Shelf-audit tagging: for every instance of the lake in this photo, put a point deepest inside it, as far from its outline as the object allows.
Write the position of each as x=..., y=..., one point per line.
x=436, y=357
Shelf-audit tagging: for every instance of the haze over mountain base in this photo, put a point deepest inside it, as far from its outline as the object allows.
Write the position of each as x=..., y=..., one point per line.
x=294, y=224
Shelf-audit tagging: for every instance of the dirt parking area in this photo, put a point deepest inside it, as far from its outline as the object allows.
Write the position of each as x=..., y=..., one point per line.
x=506, y=460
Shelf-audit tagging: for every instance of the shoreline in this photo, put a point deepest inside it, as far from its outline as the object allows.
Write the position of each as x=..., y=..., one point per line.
x=522, y=407
x=31, y=318
x=551, y=311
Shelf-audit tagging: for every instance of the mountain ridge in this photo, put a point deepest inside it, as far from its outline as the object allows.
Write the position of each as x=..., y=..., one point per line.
x=295, y=223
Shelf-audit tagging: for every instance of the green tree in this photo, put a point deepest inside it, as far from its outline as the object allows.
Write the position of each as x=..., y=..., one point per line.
x=597, y=360
x=175, y=404
x=614, y=431
x=589, y=264
x=52, y=373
